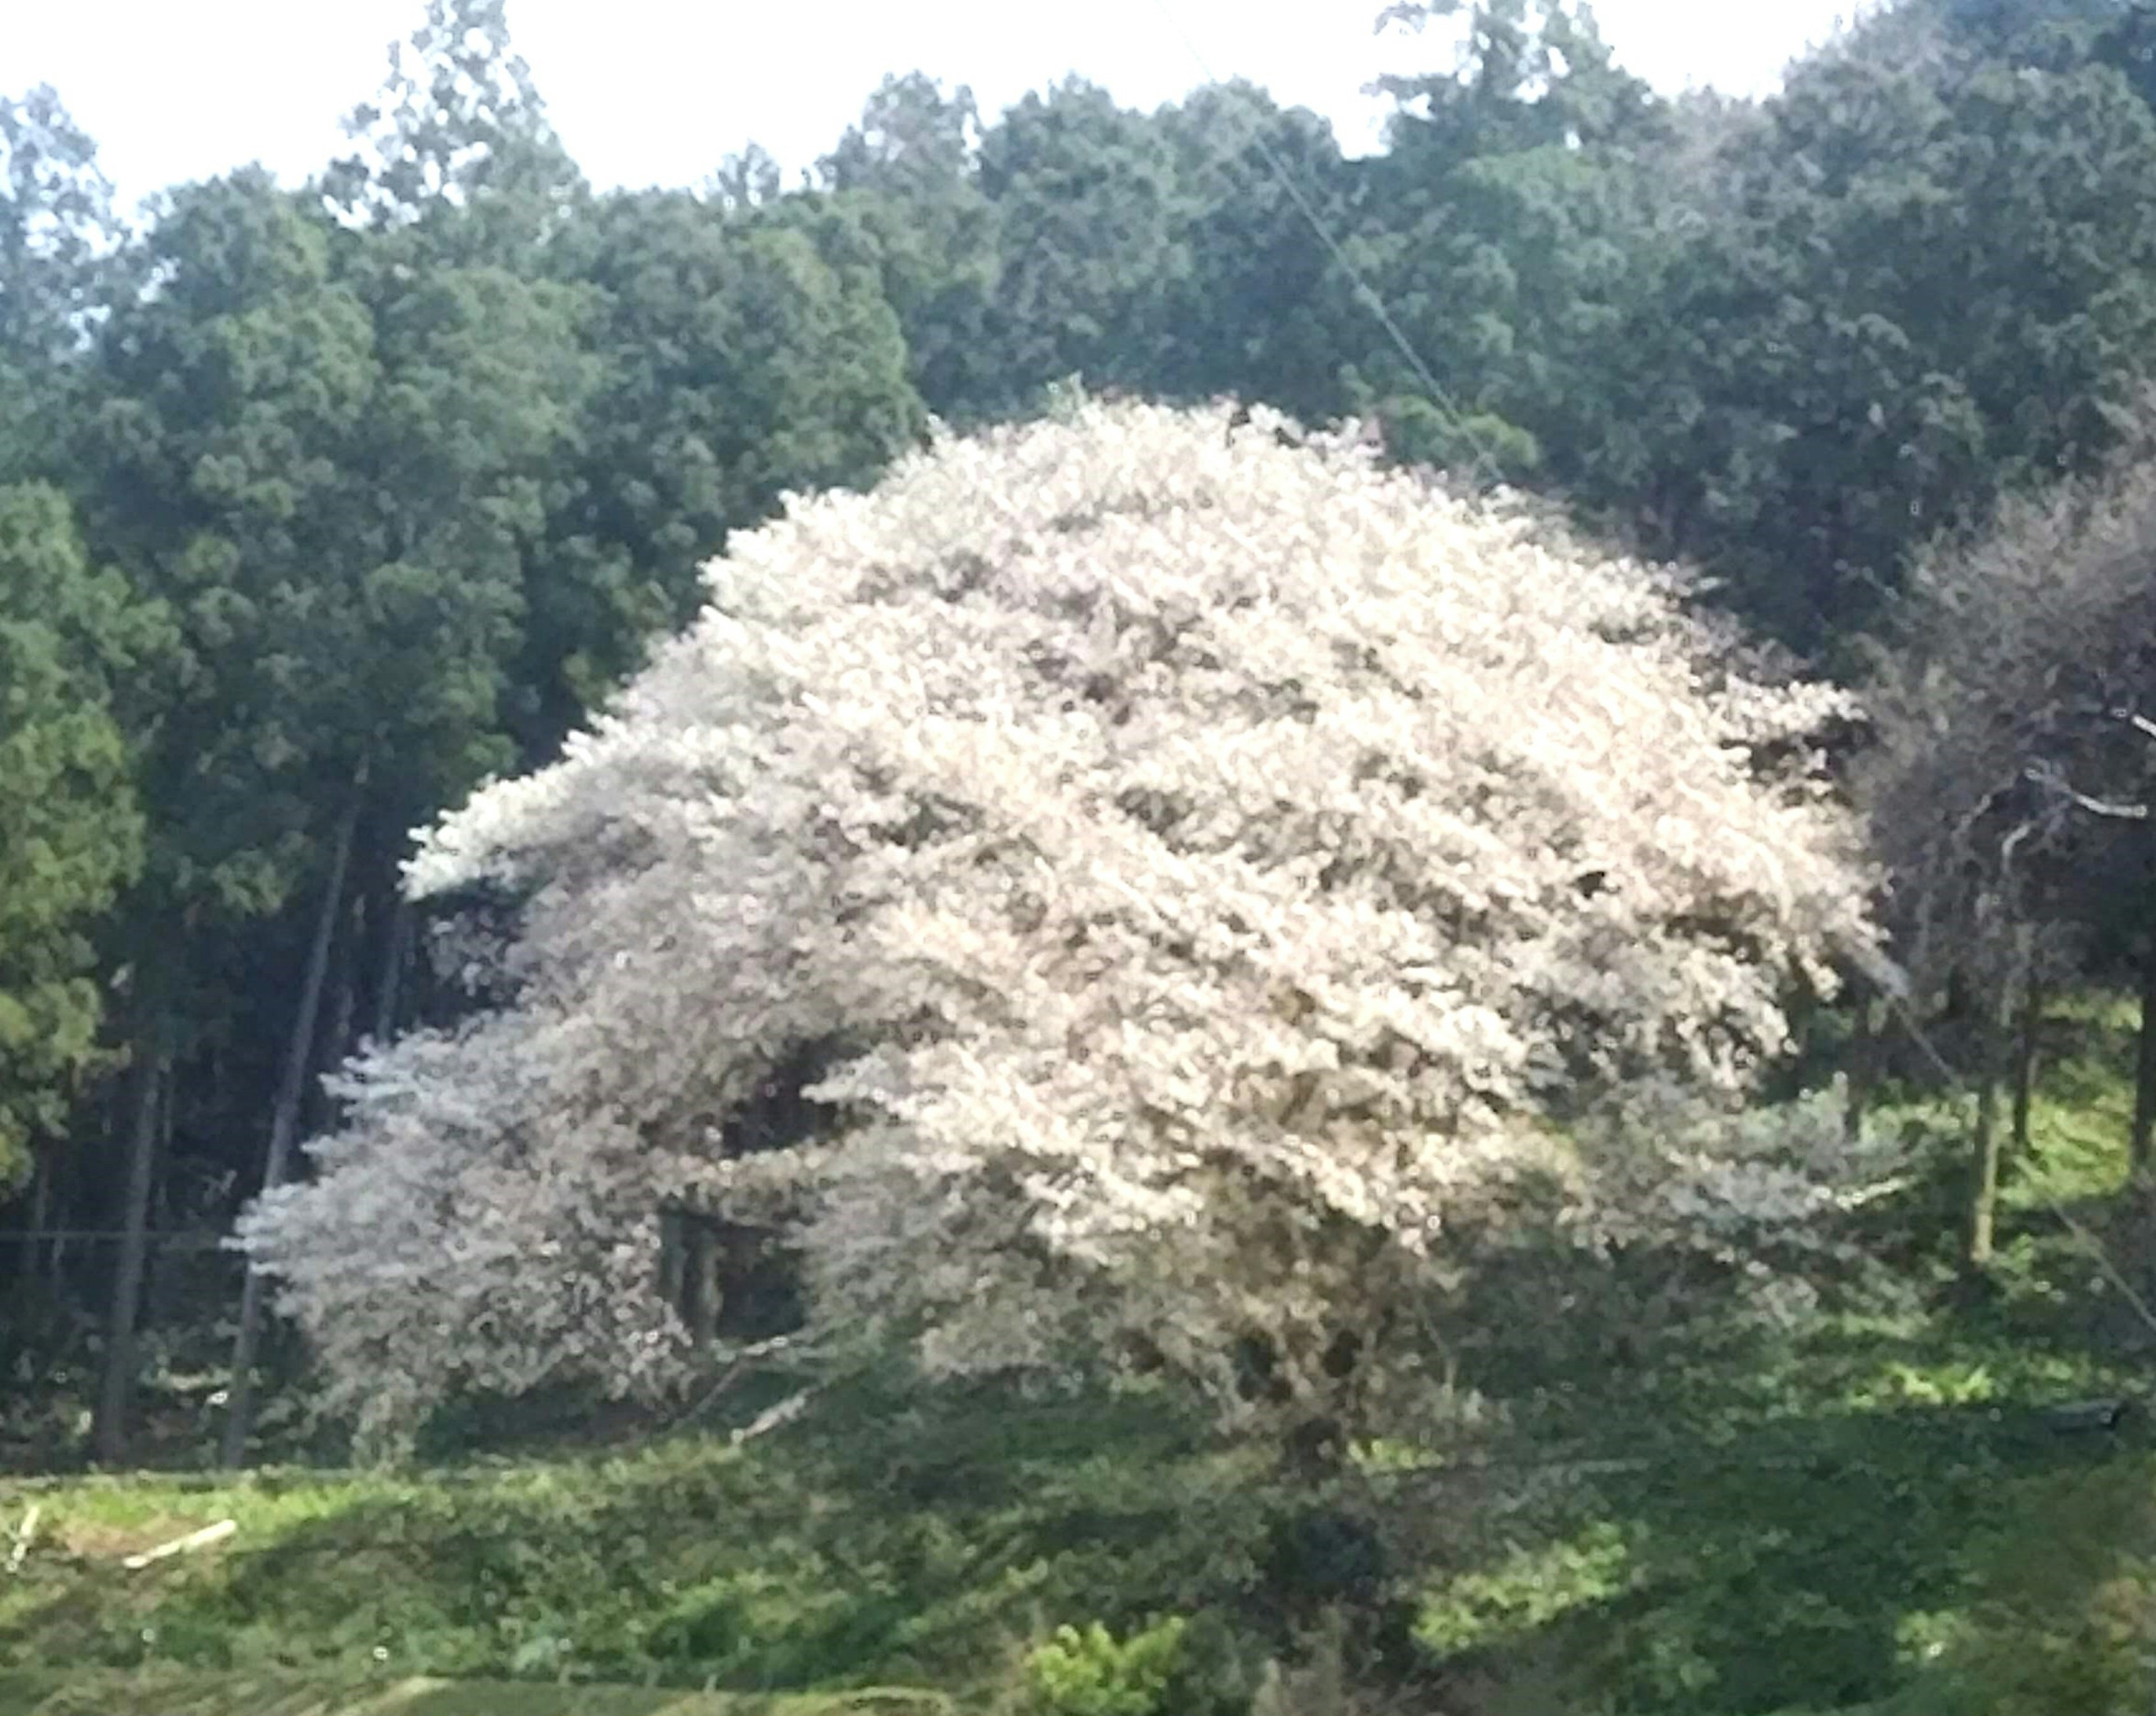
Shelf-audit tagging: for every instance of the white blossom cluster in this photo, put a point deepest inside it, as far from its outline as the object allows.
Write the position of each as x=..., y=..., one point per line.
x=1748, y=1188
x=1216, y=854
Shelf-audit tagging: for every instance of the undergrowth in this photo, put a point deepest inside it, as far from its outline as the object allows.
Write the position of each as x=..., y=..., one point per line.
x=1881, y=1511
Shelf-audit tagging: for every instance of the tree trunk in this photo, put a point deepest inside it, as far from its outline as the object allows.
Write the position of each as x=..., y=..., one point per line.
x=1995, y=1020
x=1984, y=1170
x=284, y=1124
x=1983, y=1166
x=64, y=1208
x=1863, y=1068
x=318, y=1109
x=53, y=1247
x=396, y=954
x=2144, y=1069
x=117, y=1386
x=2027, y=1038
x=165, y=1215
x=338, y=1045
x=41, y=1207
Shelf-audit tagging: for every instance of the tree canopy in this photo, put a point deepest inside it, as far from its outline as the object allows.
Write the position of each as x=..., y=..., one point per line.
x=71, y=828
x=418, y=463
x=1207, y=868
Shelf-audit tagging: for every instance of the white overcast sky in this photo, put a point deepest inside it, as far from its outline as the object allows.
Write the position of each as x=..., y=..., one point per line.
x=660, y=92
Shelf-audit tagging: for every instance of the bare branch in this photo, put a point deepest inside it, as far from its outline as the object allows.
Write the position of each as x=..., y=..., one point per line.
x=209, y=1534
x=784, y=1413
x=2050, y=776
x=742, y=1363
x=24, y=1534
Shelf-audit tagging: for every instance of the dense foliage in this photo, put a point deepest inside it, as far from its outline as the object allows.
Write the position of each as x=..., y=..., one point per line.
x=70, y=822
x=323, y=505
x=1207, y=866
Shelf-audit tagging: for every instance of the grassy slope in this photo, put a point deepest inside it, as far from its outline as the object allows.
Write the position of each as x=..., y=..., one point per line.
x=1883, y=1516
x=883, y=1543
x=1813, y=1532
x=153, y=1693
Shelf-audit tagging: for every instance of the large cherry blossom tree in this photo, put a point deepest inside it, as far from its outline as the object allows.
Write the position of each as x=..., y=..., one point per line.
x=1210, y=868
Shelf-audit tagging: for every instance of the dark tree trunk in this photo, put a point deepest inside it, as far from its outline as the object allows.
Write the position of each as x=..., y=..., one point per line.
x=1994, y=1021
x=2144, y=1067
x=284, y=1124
x=1863, y=1068
x=165, y=1213
x=1983, y=1169
x=33, y=1248
x=117, y=1387
x=336, y=1045
x=2027, y=1040
x=62, y=1211
x=396, y=954
x=52, y=1247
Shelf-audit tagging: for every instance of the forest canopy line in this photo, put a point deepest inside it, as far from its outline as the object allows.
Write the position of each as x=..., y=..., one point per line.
x=323, y=507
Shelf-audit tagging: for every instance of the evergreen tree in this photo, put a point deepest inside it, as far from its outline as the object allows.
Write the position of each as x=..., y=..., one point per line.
x=57, y=228
x=912, y=166
x=71, y=831
x=1932, y=276
x=1089, y=217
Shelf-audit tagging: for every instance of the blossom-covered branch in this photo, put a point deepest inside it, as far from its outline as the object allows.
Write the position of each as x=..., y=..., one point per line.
x=1214, y=860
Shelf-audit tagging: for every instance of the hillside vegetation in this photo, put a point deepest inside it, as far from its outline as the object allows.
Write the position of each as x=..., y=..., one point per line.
x=1108, y=916
x=1888, y=1516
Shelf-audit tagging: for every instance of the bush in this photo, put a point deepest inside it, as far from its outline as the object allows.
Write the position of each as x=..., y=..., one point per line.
x=1088, y=1673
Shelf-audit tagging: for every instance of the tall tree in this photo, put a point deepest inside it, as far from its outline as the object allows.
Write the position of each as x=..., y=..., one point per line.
x=1527, y=75
x=1940, y=271
x=458, y=141
x=738, y=355
x=71, y=830
x=1261, y=312
x=2006, y=788
x=912, y=165
x=1517, y=241
x=56, y=223
x=332, y=465
x=1068, y=819
x=1088, y=212
x=285, y=1125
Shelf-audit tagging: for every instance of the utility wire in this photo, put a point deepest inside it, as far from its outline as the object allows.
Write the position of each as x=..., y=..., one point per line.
x=2089, y=1240
x=1371, y=299
x=1365, y=293
x=201, y=1236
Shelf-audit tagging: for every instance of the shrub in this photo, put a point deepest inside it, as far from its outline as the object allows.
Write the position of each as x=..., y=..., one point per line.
x=1084, y=1672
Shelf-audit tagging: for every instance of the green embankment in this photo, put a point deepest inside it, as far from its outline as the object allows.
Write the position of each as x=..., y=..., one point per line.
x=890, y=1544
x=165, y=1694
x=1880, y=1514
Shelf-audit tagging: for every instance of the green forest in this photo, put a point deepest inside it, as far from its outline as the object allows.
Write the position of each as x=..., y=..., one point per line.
x=323, y=507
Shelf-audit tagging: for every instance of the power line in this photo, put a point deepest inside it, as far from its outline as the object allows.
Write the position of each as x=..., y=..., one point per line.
x=2090, y=1241
x=1365, y=293
x=204, y=1235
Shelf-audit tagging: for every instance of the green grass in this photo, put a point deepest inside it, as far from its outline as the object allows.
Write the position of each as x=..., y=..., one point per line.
x=1870, y=1515
x=1877, y=1515
x=884, y=1542
x=180, y=1694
